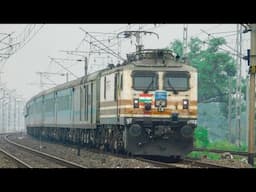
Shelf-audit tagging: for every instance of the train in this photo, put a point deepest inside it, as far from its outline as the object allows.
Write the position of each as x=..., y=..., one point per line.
x=146, y=106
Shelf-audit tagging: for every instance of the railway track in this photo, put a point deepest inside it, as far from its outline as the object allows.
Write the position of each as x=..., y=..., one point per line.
x=31, y=158
x=15, y=160
x=200, y=164
x=241, y=153
x=186, y=163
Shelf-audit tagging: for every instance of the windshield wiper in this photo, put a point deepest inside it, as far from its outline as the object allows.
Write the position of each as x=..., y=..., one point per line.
x=170, y=85
x=146, y=90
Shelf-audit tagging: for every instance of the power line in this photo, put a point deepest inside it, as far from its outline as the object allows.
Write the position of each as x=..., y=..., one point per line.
x=236, y=51
x=95, y=45
x=54, y=59
x=124, y=27
x=111, y=51
x=7, y=35
x=27, y=37
x=234, y=54
x=224, y=32
x=229, y=35
x=209, y=29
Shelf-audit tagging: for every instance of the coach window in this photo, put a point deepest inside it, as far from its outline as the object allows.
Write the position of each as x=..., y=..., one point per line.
x=176, y=81
x=145, y=80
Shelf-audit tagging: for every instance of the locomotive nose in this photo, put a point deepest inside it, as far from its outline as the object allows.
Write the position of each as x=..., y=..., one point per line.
x=186, y=131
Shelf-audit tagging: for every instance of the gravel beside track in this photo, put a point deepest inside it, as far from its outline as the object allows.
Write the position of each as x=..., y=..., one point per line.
x=91, y=159
x=28, y=157
x=87, y=158
x=6, y=162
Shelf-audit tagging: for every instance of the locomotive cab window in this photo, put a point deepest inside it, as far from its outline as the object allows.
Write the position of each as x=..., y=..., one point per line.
x=176, y=81
x=145, y=80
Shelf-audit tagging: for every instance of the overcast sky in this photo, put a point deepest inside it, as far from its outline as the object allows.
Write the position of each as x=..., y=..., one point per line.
x=20, y=69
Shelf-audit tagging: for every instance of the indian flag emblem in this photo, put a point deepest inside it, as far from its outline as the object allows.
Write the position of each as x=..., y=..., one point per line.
x=145, y=98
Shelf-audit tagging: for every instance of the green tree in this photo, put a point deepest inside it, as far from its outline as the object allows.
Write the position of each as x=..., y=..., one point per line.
x=214, y=66
x=177, y=47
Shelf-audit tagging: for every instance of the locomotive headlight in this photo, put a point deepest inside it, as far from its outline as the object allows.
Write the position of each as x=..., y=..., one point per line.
x=135, y=103
x=185, y=103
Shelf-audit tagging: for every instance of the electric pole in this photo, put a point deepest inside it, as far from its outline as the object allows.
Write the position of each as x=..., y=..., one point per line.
x=252, y=71
x=85, y=66
x=185, y=40
x=229, y=108
x=85, y=59
x=238, y=83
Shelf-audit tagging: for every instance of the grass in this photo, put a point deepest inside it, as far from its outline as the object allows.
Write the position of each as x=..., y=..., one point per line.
x=199, y=154
x=202, y=141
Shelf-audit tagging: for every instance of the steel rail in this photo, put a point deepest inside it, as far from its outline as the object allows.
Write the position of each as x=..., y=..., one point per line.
x=53, y=158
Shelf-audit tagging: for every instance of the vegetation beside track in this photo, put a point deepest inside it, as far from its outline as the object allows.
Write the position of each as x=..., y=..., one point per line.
x=202, y=141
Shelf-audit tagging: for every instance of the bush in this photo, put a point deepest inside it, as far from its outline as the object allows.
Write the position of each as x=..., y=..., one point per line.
x=201, y=137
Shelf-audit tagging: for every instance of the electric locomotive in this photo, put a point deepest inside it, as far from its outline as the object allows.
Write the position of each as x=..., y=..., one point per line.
x=145, y=106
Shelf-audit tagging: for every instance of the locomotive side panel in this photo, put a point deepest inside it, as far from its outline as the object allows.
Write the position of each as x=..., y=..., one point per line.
x=126, y=94
x=108, y=99
x=115, y=96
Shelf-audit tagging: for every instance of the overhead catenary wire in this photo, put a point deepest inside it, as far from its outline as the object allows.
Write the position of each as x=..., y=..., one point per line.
x=53, y=59
x=93, y=42
x=21, y=43
x=50, y=80
x=7, y=35
x=223, y=32
x=110, y=50
x=95, y=45
x=209, y=29
x=236, y=52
